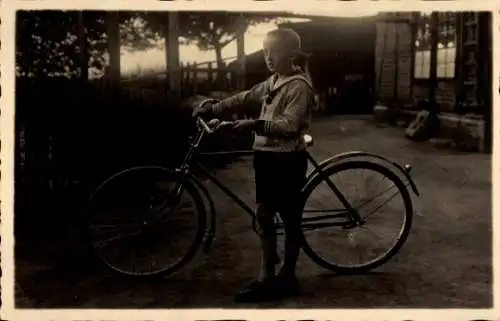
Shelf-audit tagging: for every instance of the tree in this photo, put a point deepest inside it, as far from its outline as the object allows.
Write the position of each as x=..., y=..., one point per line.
x=215, y=30
x=114, y=46
x=207, y=30
x=48, y=43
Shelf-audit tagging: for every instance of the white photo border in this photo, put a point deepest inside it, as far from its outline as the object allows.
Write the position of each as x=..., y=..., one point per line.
x=7, y=103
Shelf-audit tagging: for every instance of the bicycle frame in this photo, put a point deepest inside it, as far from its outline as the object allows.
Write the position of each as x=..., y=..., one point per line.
x=347, y=217
x=192, y=152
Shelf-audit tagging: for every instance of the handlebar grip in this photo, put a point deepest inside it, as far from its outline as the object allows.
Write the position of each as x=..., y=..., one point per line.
x=204, y=125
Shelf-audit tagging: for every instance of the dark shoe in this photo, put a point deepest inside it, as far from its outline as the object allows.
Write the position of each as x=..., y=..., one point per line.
x=286, y=286
x=257, y=292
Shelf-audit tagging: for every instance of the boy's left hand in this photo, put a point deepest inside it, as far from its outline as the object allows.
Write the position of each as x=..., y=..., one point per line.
x=244, y=124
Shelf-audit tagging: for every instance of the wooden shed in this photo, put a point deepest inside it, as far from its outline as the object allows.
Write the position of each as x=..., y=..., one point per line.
x=442, y=58
x=341, y=63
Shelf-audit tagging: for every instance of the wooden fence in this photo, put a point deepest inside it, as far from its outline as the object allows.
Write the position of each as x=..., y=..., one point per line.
x=70, y=135
x=197, y=79
x=205, y=78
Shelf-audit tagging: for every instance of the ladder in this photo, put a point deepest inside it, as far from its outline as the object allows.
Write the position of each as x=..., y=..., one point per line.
x=467, y=93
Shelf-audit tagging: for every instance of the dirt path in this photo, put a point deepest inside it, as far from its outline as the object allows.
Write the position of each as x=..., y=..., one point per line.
x=446, y=262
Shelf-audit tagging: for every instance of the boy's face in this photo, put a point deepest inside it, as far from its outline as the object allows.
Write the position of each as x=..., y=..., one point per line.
x=278, y=54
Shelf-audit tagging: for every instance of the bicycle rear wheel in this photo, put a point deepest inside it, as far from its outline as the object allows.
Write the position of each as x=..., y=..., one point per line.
x=331, y=239
x=137, y=226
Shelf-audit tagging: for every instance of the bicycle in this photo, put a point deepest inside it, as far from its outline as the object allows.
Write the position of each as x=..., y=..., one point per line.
x=162, y=191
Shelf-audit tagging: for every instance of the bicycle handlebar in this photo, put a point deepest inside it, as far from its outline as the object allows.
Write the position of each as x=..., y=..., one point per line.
x=201, y=122
x=204, y=125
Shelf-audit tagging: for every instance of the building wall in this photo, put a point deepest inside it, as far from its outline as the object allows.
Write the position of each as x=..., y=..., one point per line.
x=395, y=59
x=463, y=95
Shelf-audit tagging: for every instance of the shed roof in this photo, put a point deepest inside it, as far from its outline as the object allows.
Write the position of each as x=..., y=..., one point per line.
x=327, y=34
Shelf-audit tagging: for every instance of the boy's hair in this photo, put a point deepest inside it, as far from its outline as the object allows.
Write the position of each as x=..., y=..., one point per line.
x=289, y=36
x=294, y=42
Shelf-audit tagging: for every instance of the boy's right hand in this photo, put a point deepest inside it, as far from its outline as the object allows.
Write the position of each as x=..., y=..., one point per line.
x=203, y=110
x=216, y=124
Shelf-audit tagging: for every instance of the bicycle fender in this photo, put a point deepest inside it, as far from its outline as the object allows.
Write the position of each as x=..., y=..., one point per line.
x=343, y=156
x=210, y=236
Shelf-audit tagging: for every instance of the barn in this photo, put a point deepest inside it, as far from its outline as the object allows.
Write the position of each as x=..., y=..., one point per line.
x=438, y=61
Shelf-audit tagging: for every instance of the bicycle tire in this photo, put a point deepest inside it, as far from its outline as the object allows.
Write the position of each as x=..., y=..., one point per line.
x=199, y=207
x=408, y=206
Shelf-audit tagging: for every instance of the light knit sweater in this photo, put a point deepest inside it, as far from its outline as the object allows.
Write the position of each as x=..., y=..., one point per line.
x=285, y=115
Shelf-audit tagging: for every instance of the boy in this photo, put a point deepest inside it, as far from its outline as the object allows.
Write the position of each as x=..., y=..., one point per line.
x=280, y=162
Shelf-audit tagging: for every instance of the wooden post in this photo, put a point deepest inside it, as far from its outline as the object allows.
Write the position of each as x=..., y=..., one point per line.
x=210, y=76
x=187, y=72
x=413, y=25
x=195, y=78
x=434, y=47
x=396, y=64
x=113, y=33
x=459, y=62
x=485, y=76
x=82, y=42
x=172, y=52
x=240, y=49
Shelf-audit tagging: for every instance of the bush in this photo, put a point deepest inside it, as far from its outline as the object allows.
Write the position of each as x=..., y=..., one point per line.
x=75, y=135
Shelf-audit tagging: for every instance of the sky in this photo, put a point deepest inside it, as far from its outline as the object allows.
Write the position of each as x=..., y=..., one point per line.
x=155, y=58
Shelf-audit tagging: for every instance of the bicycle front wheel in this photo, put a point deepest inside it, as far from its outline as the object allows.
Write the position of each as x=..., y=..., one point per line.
x=138, y=225
x=332, y=240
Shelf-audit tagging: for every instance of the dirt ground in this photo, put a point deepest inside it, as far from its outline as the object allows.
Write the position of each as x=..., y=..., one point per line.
x=446, y=262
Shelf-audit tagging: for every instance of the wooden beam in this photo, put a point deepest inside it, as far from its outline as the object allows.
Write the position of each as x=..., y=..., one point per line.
x=172, y=52
x=240, y=49
x=434, y=46
x=459, y=63
x=413, y=28
x=397, y=20
x=396, y=63
x=485, y=76
x=113, y=33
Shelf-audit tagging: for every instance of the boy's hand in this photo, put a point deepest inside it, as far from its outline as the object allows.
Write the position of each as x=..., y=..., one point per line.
x=244, y=124
x=214, y=123
x=200, y=111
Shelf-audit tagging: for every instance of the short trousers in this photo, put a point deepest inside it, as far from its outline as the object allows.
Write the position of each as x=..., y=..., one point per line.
x=279, y=177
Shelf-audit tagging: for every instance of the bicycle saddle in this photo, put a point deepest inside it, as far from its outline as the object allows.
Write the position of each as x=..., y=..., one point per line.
x=308, y=140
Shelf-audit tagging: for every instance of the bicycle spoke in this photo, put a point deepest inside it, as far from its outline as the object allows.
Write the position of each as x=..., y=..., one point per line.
x=334, y=250
x=382, y=205
x=371, y=200
x=115, y=229
x=102, y=243
x=370, y=231
x=114, y=218
x=138, y=227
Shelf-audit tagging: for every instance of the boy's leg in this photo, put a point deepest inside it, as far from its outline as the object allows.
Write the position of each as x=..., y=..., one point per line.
x=291, y=213
x=268, y=240
x=262, y=289
x=263, y=170
x=291, y=217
